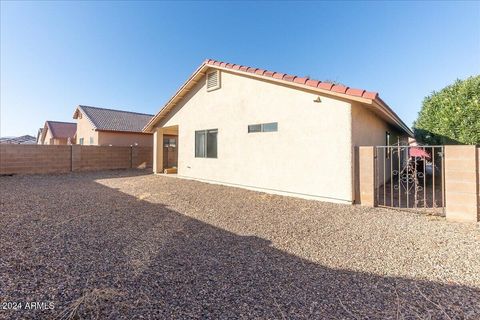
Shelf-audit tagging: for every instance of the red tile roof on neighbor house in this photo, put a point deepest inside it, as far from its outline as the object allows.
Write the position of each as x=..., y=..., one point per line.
x=296, y=79
x=103, y=119
x=62, y=129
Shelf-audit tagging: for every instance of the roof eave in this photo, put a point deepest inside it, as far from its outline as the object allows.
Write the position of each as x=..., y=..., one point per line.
x=75, y=113
x=379, y=103
x=122, y=131
x=80, y=109
x=376, y=101
x=151, y=124
x=201, y=71
x=44, y=132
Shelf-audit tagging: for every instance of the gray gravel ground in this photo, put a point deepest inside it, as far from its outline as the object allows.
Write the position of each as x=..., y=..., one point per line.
x=131, y=245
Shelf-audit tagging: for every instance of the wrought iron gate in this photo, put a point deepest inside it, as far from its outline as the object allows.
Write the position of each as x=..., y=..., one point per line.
x=410, y=177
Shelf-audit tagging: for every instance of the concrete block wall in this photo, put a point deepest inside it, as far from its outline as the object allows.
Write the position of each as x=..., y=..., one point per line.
x=366, y=176
x=142, y=157
x=462, y=174
x=16, y=158
x=31, y=159
x=100, y=158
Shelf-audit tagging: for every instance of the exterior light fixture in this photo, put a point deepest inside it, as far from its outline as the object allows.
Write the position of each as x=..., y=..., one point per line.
x=318, y=100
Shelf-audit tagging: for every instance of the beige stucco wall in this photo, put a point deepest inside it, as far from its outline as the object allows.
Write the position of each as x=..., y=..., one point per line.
x=309, y=156
x=368, y=129
x=48, y=138
x=85, y=130
x=60, y=141
x=124, y=139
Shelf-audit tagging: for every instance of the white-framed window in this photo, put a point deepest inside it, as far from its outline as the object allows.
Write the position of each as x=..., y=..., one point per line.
x=213, y=80
x=80, y=141
x=263, y=127
x=91, y=140
x=206, y=143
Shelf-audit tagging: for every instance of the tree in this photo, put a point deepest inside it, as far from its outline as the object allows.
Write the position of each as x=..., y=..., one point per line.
x=452, y=115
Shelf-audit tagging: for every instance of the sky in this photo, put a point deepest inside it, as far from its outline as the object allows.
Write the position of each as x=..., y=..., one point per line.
x=135, y=55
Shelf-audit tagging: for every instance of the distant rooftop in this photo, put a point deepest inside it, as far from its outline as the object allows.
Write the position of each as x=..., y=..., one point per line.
x=114, y=120
x=26, y=139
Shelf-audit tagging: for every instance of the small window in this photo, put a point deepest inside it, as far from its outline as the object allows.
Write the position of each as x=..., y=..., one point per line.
x=80, y=141
x=270, y=127
x=91, y=140
x=213, y=80
x=263, y=127
x=206, y=143
x=254, y=128
x=200, y=139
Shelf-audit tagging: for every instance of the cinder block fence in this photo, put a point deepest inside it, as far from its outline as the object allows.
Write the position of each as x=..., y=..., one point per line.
x=28, y=159
x=462, y=174
x=461, y=180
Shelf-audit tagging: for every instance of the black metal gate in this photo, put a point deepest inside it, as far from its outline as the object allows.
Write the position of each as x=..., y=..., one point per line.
x=410, y=177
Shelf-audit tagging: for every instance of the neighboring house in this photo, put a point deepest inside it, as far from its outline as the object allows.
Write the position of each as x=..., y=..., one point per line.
x=39, y=136
x=58, y=133
x=270, y=131
x=27, y=139
x=104, y=127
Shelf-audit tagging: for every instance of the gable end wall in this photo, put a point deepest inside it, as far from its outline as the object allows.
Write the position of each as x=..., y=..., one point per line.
x=309, y=156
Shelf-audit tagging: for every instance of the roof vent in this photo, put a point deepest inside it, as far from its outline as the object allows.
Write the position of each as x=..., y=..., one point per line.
x=213, y=80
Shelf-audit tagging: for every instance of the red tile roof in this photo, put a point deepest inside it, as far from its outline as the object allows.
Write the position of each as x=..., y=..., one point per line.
x=114, y=120
x=363, y=96
x=62, y=129
x=301, y=80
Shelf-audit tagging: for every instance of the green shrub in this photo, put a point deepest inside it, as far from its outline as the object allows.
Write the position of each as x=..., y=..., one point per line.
x=452, y=115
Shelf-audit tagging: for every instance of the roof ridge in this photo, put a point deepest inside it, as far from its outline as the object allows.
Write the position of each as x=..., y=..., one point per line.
x=54, y=121
x=109, y=109
x=338, y=88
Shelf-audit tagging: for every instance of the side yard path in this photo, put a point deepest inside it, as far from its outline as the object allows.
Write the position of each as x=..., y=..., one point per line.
x=126, y=244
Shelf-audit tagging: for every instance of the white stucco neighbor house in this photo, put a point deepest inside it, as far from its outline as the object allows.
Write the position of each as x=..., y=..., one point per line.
x=269, y=131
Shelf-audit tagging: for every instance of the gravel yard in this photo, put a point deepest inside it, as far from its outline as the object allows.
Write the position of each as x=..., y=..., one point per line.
x=126, y=244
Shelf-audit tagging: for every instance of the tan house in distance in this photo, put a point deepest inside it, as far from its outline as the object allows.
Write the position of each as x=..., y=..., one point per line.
x=39, y=135
x=57, y=133
x=272, y=132
x=104, y=127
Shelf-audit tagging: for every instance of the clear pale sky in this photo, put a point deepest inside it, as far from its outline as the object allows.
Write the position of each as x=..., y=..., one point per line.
x=135, y=55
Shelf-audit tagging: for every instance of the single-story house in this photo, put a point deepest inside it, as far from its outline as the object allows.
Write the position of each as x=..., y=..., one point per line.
x=270, y=131
x=58, y=133
x=104, y=127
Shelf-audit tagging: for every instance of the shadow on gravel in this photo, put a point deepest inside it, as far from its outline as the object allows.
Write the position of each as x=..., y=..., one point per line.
x=98, y=253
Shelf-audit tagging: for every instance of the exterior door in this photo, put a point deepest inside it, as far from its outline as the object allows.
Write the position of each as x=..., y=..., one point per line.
x=170, y=154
